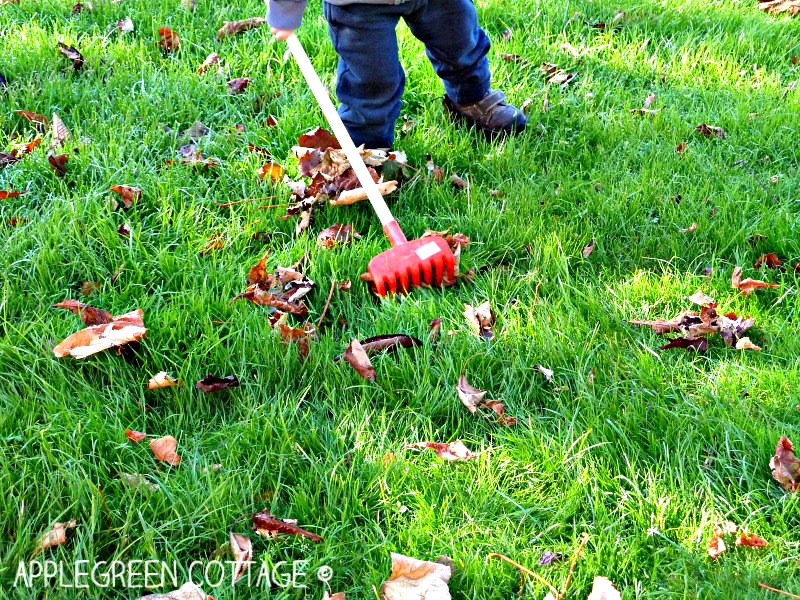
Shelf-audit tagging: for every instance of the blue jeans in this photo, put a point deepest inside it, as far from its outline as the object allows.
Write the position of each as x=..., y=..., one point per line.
x=370, y=78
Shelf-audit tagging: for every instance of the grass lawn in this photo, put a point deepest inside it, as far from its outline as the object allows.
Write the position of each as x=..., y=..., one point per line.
x=645, y=451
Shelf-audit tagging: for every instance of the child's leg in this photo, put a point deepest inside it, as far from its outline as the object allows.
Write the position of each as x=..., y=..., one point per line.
x=456, y=46
x=370, y=79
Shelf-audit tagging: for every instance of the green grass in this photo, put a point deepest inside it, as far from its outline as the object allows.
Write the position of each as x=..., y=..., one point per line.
x=645, y=459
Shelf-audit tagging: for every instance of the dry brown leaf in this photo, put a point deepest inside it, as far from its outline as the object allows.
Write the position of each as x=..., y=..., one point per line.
x=358, y=194
x=97, y=338
x=336, y=596
x=745, y=344
x=258, y=273
x=72, y=54
x=59, y=163
x=234, y=27
x=88, y=314
x=748, y=286
x=319, y=138
x=690, y=229
x=603, y=589
x=238, y=85
x=128, y=193
x=357, y=358
x=165, y=450
x=188, y=591
x=710, y=131
x=211, y=60
x=700, y=298
x=786, y=466
x=790, y=7
x=272, y=170
x=162, y=380
x=135, y=436
x=337, y=235
x=716, y=545
x=55, y=537
x=452, y=451
x=750, y=540
x=681, y=148
x=242, y=549
x=5, y=194
x=473, y=398
x=481, y=319
x=414, y=579
x=588, y=249
x=210, y=383
x=170, y=40
x=60, y=132
x=770, y=260
x=268, y=525
x=40, y=122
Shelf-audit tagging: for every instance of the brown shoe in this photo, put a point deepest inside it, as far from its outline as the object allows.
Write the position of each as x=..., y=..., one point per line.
x=492, y=115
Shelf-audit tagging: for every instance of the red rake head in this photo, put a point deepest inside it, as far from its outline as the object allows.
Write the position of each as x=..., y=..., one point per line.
x=425, y=260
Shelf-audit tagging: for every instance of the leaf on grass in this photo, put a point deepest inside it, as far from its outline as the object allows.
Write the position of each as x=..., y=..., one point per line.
x=454, y=240
x=4, y=194
x=710, y=131
x=336, y=596
x=549, y=558
x=88, y=314
x=359, y=194
x=414, y=579
x=211, y=60
x=588, y=249
x=170, y=40
x=452, y=451
x=56, y=536
x=272, y=170
x=188, y=591
x=546, y=373
x=681, y=148
x=699, y=344
x=389, y=343
x=748, y=286
x=129, y=194
x=60, y=132
x=745, y=344
x=238, y=85
x=258, y=273
x=770, y=260
x=135, y=436
x=473, y=398
x=72, y=54
x=481, y=319
x=125, y=25
x=357, y=358
x=700, y=298
x=716, y=545
x=242, y=549
x=234, y=27
x=195, y=131
x=210, y=383
x=97, y=338
x=79, y=7
x=136, y=480
x=603, y=589
x=40, y=122
x=59, y=163
x=162, y=379
x=750, y=540
x=690, y=229
x=786, y=466
x=319, y=138
x=775, y=7
x=337, y=234
x=552, y=74
x=268, y=525
x=165, y=450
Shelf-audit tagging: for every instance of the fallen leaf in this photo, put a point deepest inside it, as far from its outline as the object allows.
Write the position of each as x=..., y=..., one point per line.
x=473, y=398
x=238, y=85
x=745, y=344
x=337, y=234
x=454, y=240
x=319, y=138
x=16, y=221
x=481, y=319
x=691, y=229
x=359, y=194
x=160, y=380
x=681, y=147
x=56, y=536
x=771, y=261
x=699, y=344
x=272, y=121
x=389, y=343
x=79, y=7
x=603, y=589
x=59, y=163
x=60, y=132
x=750, y=540
x=344, y=285
x=258, y=273
x=775, y=7
x=588, y=249
x=40, y=122
x=97, y=338
x=710, y=131
x=72, y=54
x=211, y=60
x=242, y=549
x=215, y=242
x=188, y=591
x=554, y=75
x=747, y=286
x=357, y=358
x=88, y=314
x=135, y=436
x=786, y=466
x=459, y=182
x=165, y=450
x=125, y=25
x=272, y=170
x=513, y=58
x=210, y=383
x=336, y=596
x=234, y=27
x=196, y=131
x=4, y=194
x=128, y=193
x=170, y=40
x=507, y=34
x=124, y=230
x=549, y=558
x=546, y=373
x=700, y=298
x=268, y=525
x=452, y=451
x=90, y=287
x=414, y=579
x=716, y=545
x=135, y=480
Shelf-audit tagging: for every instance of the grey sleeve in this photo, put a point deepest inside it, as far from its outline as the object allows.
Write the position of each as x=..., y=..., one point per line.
x=286, y=14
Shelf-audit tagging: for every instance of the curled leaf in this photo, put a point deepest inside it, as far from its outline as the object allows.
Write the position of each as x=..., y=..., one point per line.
x=211, y=60
x=452, y=451
x=72, y=54
x=40, y=122
x=238, y=85
x=357, y=358
x=751, y=540
x=242, y=549
x=59, y=163
x=785, y=466
x=162, y=380
x=414, y=579
x=211, y=383
x=56, y=536
x=268, y=525
x=97, y=338
x=747, y=286
x=135, y=436
x=128, y=193
x=234, y=27
x=165, y=450
x=337, y=234
x=88, y=314
x=481, y=319
x=170, y=40
x=745, y=344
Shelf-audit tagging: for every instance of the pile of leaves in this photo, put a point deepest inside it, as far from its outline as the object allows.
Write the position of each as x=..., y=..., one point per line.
x=332, y=179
